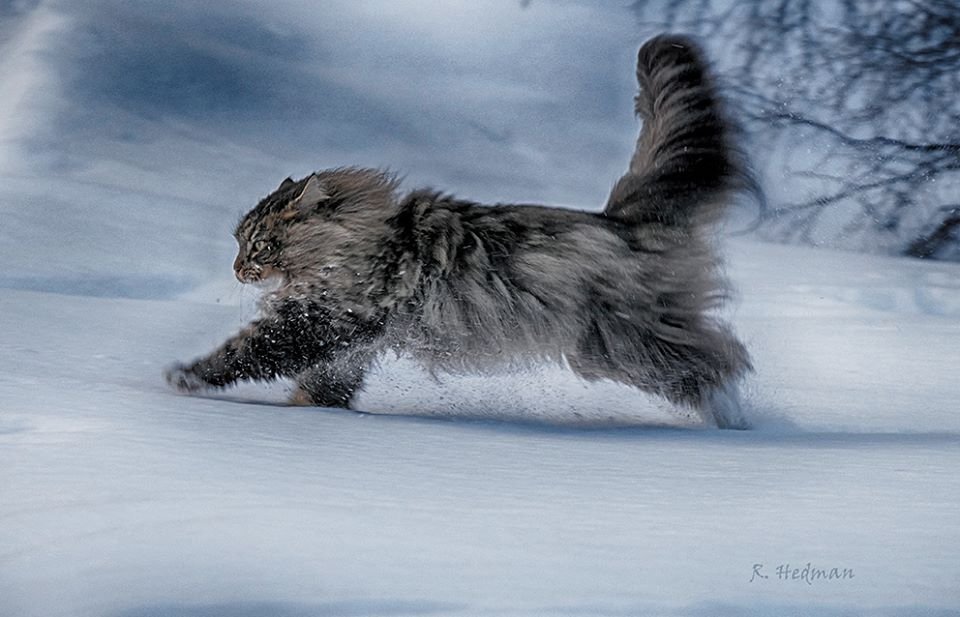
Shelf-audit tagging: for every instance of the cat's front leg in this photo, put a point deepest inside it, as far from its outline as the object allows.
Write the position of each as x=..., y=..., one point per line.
x=288, y=342
x=218, y=369
x=184, y=378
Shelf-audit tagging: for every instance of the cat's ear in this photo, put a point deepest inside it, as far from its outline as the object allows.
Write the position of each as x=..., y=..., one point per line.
x=286, y=184
x=313, y=193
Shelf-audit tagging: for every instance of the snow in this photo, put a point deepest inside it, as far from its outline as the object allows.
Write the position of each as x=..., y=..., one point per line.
x=121, y=497
x=513, y=494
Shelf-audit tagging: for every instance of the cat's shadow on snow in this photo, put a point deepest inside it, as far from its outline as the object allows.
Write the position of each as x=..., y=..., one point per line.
x=768, y=428
x=652, y=417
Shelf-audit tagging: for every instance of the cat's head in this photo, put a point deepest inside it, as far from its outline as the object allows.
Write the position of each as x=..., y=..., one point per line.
x=315, y=227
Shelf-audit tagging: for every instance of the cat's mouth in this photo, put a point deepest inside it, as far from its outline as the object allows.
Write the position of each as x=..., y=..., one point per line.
x=257, y=275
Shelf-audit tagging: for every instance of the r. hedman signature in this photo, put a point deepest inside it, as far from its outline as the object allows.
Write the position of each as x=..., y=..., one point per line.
x=808, y=574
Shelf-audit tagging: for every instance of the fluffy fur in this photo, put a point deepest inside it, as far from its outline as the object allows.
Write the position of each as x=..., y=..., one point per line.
x=625, y=294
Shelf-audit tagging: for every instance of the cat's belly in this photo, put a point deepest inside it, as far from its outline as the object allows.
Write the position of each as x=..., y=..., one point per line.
x=472, y=351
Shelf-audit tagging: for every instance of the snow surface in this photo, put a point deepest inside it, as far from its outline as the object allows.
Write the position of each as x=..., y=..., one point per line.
x=120, y=497
x=515, y=494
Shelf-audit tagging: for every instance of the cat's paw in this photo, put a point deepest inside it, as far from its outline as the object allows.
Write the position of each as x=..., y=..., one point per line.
x=300, y=398
x=181, y=378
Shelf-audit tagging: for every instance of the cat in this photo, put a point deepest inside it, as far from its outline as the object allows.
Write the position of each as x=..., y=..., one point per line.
x=625, y=294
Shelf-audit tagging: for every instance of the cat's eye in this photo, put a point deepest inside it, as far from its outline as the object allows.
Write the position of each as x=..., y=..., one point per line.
x=259, y=245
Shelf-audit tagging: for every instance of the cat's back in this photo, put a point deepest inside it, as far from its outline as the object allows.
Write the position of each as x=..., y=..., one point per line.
x=562, y=249
x=515, y=278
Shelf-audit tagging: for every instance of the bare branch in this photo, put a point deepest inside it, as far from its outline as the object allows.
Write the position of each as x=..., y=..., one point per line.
x=868, y=87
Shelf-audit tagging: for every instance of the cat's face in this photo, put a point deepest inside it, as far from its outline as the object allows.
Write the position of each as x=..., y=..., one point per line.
x=257, y=258
x=314, y=228
x=261, y=235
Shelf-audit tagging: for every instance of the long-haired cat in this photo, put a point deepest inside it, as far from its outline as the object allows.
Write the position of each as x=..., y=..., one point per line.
x=624, y=294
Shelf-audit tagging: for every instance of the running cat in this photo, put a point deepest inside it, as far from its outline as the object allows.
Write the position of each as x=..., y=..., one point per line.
x=624, y=294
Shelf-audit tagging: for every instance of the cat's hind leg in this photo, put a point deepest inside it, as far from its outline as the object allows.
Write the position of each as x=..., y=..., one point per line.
x=334, y=383
x=701, y=377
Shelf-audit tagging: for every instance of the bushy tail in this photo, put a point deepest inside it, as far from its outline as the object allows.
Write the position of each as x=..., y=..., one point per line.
x=685, y=166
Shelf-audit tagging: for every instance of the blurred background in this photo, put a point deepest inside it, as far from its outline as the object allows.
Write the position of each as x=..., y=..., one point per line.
x=132, y=134
x=852, y=111
x=135, y=133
